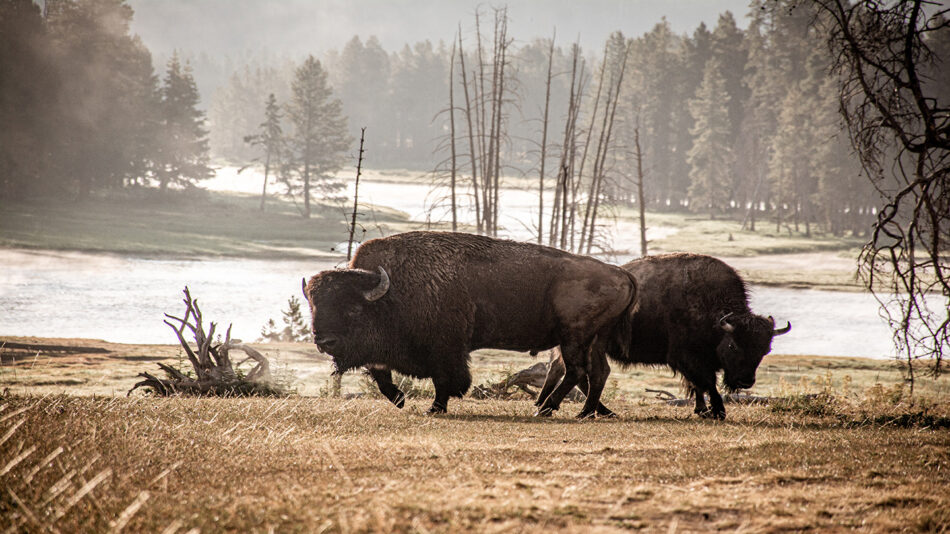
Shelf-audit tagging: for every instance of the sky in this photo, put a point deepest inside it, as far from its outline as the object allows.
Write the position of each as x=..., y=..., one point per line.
x=299, y=27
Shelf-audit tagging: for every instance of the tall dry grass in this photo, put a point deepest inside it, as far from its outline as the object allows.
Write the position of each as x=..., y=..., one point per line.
x=93, y=464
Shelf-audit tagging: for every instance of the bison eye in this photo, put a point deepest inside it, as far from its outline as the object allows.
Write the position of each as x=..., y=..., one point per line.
x=326, y=342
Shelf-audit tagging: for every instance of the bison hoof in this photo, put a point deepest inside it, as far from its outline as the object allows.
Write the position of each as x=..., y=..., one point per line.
x=709, y=414
x=435, y=409
x=544, y=411
x=587, y=415
x=606, y=413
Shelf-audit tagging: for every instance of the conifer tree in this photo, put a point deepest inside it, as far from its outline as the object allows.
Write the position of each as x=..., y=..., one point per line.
x=26, y=88
x=319, y=140
x=790, y=166
x=184, y=158
x=710, y=158
x=693, y=55
x=270, y=139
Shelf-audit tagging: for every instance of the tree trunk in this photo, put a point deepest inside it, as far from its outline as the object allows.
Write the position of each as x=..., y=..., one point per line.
x=452, y=136
x=471, y=137
x=266, y=173
x=544, y=141
x=640, y=200
x=306, y=190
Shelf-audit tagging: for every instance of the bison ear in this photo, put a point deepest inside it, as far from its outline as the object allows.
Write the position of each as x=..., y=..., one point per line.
x=377, y=292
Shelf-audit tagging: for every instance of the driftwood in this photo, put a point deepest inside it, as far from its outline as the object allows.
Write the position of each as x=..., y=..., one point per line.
x=523, y=381
x=731, y=398
x=214, y=372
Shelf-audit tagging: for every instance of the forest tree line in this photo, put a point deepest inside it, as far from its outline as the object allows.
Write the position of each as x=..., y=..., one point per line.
x=85, y=113
x=83, y=109
x=730, y=121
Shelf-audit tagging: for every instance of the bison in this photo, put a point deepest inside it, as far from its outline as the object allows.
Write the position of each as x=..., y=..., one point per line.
x=694, y=317
x=420, y=302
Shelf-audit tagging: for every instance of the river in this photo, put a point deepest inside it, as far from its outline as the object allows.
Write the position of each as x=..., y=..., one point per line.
x=123, y=299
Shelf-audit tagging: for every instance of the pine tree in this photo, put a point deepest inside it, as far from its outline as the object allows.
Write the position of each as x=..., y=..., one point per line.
x=270, y=139
x=104, y=106
x=295, y=326
x=710, y=158
x=654, y=69
x=319, y=140
x=692, y=54
x=361, y=76
x=26, y=90
x=791, y=167
x=766, y=87
x=184, y=158
x=730, y=48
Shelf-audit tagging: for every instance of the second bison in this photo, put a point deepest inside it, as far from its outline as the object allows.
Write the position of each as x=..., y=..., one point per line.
x=420, y=302
x=694, y=317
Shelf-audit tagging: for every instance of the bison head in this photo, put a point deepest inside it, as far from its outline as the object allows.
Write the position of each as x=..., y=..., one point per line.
x=345, y=322
x=746, y=339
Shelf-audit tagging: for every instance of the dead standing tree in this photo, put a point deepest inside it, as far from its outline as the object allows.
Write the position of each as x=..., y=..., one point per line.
x=544, y=140
x=489, y=115
x=902, y=137
x=615, y=60
x=565, y=188
x=214, y=372
x=486, y=89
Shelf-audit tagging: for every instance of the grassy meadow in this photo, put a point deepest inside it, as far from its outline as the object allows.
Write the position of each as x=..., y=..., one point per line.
x=184, y=224
x=846, y=447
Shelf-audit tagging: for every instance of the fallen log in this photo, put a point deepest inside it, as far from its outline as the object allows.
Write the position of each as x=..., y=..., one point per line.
x=523, y=381
x=731, y=398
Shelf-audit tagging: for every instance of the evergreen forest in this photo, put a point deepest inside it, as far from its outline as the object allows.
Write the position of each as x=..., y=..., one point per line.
x=734, y=120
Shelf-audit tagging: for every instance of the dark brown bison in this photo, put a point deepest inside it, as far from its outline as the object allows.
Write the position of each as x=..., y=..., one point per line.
x=419, y=302
x=694, y=317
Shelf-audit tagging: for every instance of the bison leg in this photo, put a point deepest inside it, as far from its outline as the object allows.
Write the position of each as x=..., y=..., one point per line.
x=718, y=410
x=452, y=381
x=556, y=372
x=575, y=363
x=597, y=373
x=701, y=407
x=384, y=379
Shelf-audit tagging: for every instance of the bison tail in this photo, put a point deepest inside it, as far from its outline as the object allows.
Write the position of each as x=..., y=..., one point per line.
x=621, y=338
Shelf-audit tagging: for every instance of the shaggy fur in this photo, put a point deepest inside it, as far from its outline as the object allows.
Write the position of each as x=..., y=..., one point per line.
x=451, y=293
x=682, y=299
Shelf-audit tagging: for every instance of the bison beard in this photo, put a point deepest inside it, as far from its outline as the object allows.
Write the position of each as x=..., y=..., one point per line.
x=694, y=317
x=420, y=302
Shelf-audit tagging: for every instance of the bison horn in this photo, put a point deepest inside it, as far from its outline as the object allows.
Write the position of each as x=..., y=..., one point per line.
x=303, y=285
x=377, y=292
x=728, y=328
x=779, y=331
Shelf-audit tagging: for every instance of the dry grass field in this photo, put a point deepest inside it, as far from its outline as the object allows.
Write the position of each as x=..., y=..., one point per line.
x=74, y=457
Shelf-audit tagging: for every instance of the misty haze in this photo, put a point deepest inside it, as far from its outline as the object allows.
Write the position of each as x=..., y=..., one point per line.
x=171, y=169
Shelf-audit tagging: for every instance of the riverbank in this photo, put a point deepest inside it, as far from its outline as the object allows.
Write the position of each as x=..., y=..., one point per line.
x=217, y=224
x=77, y=366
